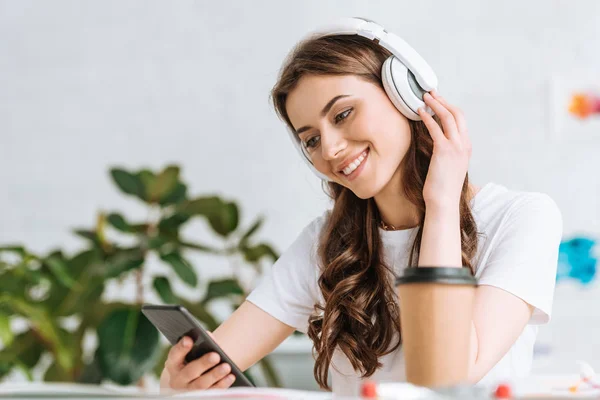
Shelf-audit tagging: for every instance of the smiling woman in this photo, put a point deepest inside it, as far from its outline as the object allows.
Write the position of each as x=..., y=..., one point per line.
x=359, y=105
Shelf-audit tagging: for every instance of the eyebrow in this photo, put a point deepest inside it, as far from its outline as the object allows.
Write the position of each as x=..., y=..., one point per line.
x=324, y=111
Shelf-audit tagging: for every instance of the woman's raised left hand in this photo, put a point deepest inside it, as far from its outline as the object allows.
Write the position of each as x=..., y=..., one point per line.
x=451, y=153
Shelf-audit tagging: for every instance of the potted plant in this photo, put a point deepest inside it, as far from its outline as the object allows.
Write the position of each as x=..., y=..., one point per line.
x=59, y=297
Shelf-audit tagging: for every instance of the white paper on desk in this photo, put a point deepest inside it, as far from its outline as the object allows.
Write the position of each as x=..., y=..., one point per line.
x=552, y=387
x=255, y=393
x=55, y=388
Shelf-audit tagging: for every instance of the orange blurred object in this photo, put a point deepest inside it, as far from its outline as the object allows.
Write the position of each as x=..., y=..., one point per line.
x=583, y=105
x=573, y=388
x=503, y=391
x=369, y=390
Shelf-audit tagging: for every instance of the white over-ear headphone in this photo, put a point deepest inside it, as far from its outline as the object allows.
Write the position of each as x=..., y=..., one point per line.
x=405, y=75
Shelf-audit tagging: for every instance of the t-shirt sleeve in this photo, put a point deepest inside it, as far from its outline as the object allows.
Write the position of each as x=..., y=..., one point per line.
x=289, y=290
x=524, y=259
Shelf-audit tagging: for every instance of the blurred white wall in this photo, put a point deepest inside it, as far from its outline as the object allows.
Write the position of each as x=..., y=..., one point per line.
x=85, y=85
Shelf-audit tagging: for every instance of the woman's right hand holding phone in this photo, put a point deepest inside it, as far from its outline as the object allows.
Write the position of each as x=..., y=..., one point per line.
x=196, y=375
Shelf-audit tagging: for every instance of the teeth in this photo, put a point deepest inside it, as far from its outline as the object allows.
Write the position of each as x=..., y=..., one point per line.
x=354, y=164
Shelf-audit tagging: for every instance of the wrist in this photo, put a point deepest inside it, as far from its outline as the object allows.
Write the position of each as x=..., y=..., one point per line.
x=441, y=208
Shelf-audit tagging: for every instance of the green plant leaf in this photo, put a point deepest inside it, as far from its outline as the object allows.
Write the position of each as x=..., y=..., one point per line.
x=255, y=253
x=6, y=367
x=81, y=261
x=160, y=364
x=45, y=326
x=156, y=242
x=92, y=236
x=89, y=267
x=14, y=249
x=124, y=261
x=97, y=312
x=173, y=222
x=176, y=196
x=205, y=206
x=59, y=269
x=270, y=372
x=182, y=268
x=200, y=247
x=147, y=178
x=118, y=222
x=164, y=184
x=250, y=377
x=222, y=216
x=31, y=355
x=55, y=373
x=257, y=224
x=23, y=353
x=222, y=288
x=6, y=334
x=92, y=373
x=20, y=344
x=128, y=183
x=128, y=346
x=163, y=288
x=28, y=373
x=226, y=220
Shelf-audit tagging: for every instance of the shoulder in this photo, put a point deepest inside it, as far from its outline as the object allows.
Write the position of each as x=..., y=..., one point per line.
x=304, y=248
x=500, y=206
x=312, y=231
x=522, y=232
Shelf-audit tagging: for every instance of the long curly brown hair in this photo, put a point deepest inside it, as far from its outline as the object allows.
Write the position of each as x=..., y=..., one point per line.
x=359, y=315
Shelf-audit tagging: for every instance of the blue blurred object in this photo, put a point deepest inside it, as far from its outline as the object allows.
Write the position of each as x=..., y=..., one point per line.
x=576, y=261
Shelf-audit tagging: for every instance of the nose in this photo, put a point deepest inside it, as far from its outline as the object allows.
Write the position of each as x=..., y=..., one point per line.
x=332, y=143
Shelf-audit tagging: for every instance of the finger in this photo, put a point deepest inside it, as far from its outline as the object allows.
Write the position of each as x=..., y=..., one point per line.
x=448, y=123
x=459, y=117
x=224, y=383
x=434, y=129
x=195, y=369
x=211, y=377
x=176, y=357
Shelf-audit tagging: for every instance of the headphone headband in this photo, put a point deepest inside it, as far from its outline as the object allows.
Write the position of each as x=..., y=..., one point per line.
x=394, y=44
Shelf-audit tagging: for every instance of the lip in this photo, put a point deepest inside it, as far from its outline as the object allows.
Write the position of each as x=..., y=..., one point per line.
x=358, y=170
x=350, y=159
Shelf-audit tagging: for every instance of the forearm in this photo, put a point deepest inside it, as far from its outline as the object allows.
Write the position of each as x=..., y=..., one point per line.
x=441, y=247
x=249, y=334
x=441, y=241
x=475, y=373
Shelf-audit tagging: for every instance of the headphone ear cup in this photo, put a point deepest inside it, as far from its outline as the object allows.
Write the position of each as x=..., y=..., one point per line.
x=402, y=88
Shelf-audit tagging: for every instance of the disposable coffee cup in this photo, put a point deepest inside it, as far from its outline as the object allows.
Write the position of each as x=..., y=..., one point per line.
x=436, y=313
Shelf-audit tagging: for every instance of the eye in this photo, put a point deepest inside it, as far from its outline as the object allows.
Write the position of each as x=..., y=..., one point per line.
x=312, y=142
x=342, y=116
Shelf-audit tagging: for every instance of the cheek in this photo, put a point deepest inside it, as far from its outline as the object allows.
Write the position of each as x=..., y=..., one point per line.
x=321, y=165
x=391, y=143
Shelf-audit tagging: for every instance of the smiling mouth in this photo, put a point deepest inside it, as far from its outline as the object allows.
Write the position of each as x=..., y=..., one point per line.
x=356, y=163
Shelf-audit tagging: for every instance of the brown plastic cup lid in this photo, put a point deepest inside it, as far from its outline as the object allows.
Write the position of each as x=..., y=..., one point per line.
x=448, y=275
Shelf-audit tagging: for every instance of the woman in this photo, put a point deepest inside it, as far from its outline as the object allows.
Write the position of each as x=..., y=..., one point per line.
x=401, y=198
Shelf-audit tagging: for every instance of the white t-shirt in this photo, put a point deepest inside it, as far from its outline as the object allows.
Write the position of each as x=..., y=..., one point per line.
x=518, y=253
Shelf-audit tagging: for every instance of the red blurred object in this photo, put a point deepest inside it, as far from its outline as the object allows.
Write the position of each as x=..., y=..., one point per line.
x=583, y=105
x=503, y=391
x=369, y=390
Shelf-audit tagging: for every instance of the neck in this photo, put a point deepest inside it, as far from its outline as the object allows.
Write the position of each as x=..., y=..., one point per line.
x=394, y=208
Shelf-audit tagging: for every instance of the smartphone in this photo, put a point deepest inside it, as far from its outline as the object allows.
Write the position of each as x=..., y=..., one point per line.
x=175, y=322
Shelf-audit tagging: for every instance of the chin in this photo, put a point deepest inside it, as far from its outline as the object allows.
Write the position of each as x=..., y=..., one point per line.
x=366, y=190
x=365, y=193
x=364, y=196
